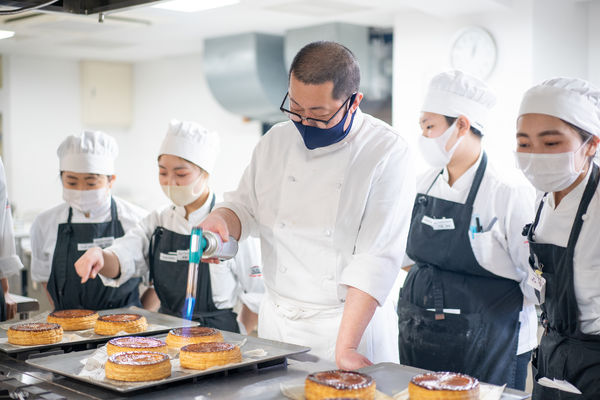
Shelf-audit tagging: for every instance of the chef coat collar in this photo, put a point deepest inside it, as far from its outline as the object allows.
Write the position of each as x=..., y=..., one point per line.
x=464, y=182
x=572, y=199
x=199, y=213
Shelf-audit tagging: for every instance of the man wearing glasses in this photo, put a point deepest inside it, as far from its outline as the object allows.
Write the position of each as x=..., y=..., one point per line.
x=330, y=195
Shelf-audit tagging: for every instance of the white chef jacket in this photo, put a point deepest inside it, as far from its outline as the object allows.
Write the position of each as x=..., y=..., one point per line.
x=503, y=250
x=555, y=226
x=237, y=278
x=45, y=229
x=328, y=218
x=10, y=263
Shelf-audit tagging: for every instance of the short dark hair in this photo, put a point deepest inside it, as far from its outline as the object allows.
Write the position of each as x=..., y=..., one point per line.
x=324, y=61
x=450, y=121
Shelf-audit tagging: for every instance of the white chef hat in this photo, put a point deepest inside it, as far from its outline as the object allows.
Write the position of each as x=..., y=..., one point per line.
x=90, y=152
x=455, y=93
x=192, y=142
x=570, y=99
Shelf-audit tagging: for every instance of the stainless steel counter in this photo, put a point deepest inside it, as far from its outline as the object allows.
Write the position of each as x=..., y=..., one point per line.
x=248, y=384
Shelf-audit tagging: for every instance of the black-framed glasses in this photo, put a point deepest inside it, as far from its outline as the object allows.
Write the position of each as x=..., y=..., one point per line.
x=320, y=123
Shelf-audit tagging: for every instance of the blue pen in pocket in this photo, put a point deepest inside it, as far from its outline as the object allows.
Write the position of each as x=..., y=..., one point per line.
x=475, y=226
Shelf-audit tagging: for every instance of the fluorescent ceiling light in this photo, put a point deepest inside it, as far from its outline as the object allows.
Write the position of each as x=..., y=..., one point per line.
x=6, y=34
x=194, y=5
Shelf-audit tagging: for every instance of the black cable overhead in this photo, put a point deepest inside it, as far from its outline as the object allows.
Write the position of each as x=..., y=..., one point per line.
x=28, y=8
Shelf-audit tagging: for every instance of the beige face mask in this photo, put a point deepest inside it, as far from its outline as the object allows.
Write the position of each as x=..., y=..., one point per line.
x=183, y=195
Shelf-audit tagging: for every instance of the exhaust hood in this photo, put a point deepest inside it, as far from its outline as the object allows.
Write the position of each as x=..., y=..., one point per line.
x=78, y=6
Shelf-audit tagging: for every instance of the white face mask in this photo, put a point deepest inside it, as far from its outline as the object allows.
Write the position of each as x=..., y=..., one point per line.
x=550, y=172
x=86, y=201
x=434, y=149
x=183, y=195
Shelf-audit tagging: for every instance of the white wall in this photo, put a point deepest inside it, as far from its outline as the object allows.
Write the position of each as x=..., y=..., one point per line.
x=40, y=103
x=560, y=35
x=593, y=50
x=421, y=50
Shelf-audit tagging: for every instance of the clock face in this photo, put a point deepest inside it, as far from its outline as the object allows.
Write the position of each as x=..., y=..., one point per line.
x=474, y=52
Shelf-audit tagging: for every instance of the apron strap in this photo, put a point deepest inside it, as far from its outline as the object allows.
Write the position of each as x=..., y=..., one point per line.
x=438, y=296
x=477, y=180
x=154, y=240
x=69, y=228
x=434, y=181
x=586, y=199
x=212, y=202
x=114, y=215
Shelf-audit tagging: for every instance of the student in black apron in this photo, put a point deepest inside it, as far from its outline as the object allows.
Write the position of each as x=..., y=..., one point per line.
x=90, y=216
x=159, y=246
x=457, y=311
x=10, y=263
x=558, y=135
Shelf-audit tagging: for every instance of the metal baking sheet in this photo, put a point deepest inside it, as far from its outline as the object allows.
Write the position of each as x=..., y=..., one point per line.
x=394, y=378
x=70, y=364
x=157, y=323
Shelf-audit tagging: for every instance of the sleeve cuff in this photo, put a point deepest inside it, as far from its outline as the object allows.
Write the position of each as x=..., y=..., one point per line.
x=10, y=266
x=251, y=300
x=373, y=275
x=127, y=268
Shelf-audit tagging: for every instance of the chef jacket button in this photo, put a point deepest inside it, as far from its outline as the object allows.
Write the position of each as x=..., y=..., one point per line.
x=338, y=185
x=584, y=217
x=291, y=178
x=282, y=225
x=327, y=232
x=282, y=268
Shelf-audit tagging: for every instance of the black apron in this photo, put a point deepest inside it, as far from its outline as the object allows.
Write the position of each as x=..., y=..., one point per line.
x=564, y=353
x=3, y=312
x=169, y=252
x=480, y=341
x=65, y=285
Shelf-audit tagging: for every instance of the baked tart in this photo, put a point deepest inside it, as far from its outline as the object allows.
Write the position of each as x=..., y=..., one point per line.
x=206, y=355
x=35, y=333
x=114, y=323
x=138, y=366
x=135, y=343
x=73, y=320
x=179, y=337
x=443, y=385
x=339, y=383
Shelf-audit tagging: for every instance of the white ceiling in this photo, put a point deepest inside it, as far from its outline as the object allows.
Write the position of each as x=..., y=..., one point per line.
x=145, y=32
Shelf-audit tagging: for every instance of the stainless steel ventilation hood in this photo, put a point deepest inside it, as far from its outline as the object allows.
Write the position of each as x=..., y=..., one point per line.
x=79, y=6
x=247, y=73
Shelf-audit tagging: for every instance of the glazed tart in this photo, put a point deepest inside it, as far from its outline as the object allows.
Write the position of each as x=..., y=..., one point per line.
x=31, y=334
x=206, y=355
x=135, y=343
x=114, y=323
x=339, y=383
x=74, y=320
x=177, y=338
x=138, y=366
x=443, y=385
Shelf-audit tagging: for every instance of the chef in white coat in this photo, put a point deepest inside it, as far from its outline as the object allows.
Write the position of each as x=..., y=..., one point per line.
x=90, y=216
x=329, y=194
x=10, y=263
x=159, y=245
x=558, y=133
x=465, y=306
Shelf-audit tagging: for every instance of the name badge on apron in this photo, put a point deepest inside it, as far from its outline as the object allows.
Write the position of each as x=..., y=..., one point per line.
x=168, y=257
x=443, y=224
x=102, y=242
x=183, y=255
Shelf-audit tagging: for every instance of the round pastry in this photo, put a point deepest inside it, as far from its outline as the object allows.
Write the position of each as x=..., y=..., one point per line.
x=73, y=320
x=339, y=383
x=443, y=385
x=177, y=338
x=114, y=323
x=138, y=366
x=135, y=343
x=31, y=334
x=206, y=355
